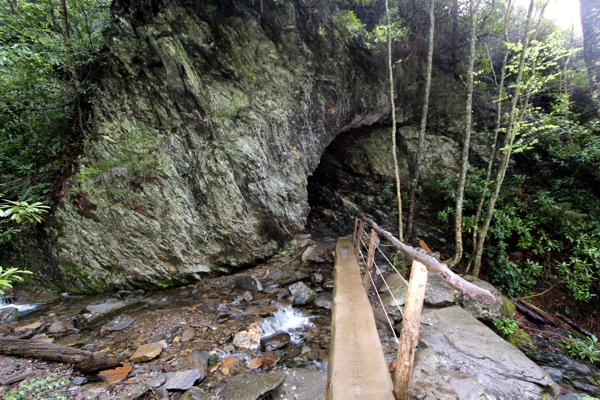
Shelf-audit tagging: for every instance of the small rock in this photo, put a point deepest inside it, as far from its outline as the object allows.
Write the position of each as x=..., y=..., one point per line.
x=156, y=382
x=120, y=323
x=188, y=334
x=287, y=277
x=147, y=352
x=197, y=361
x=324, y=300
x=32, y=326
x=134, y=392
x=302, y=293
x=116, y=375
x=261, y=311
x=328, y=284
x=251, y=387
x=316, y=277
x=248, y=282
x=194, y=393
x=248, y=340
x=247, y=296
x=275, y=341
x=8, y=314
x=181, y=380
x=80, y=380
x=60, y=327
x=554, y=373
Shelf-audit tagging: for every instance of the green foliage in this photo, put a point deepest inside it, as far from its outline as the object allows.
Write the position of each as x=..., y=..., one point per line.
x=18, y=212
x=42, y=81
x=587, y=348
x=386, y=193
x=8, y=276
x=506, y=327
x=47, y=386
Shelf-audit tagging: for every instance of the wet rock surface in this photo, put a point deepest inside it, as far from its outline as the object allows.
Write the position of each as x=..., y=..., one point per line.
x=181, y=342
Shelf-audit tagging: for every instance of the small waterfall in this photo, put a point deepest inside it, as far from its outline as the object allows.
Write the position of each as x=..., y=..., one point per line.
x=288, y=320
x=8, y=301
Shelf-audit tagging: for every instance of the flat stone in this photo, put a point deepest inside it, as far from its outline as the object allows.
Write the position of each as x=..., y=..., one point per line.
x=198, y=361
x=261, y=311
x=252, y=387
x=275, y=341
x=133, y=392
x=116, y=375
x=147, y=352
x=194, y=393
x=80, y=380
x=188, y=334
x=156, y=382
x=302, y=293
x=181, y=380
x=249, y=339
x=287, y=277
x=324, y=300
x=313, y=253
x=248, y=282
x=60, y=327
x=8, y=314
x=121, y=322
x=32, y=326
x=464, y=355
x=302, y=384
x=105, y=307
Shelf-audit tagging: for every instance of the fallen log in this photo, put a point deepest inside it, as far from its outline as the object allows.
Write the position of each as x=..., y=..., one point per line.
x=95, y=365
x=549, y=317
x=575, y=326
x=43, y=351
x=436, y=267
x=530, y=314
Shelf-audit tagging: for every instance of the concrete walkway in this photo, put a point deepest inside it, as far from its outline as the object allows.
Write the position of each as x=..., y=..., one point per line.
x=357, y=367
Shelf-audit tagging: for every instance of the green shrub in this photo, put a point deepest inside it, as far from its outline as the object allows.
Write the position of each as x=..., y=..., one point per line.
x=587, y=348
x=506, y=327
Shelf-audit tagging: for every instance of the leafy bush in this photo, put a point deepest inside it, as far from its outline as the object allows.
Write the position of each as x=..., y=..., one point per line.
x=586, y=349
x=506, y=327
x=9, y=276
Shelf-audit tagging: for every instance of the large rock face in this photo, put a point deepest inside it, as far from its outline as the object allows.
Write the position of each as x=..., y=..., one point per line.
x=208, y=122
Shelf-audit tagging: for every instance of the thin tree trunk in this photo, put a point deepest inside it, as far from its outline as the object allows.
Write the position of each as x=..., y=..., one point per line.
x=508, y=141
x=590, y=22
x=421, y=144
x=564, y=83
x=393, y=105
x=488, y=175
x=66, y=32
x=458, y=251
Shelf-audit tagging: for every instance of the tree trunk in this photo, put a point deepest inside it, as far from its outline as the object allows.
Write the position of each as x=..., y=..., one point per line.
x=500, y=86
x=508, y=141
x=393, y=105
x=590, y=22
x=421, y=144
x=458, y=250
x=66, y=32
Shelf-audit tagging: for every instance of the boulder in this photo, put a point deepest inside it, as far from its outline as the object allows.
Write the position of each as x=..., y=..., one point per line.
x=8, y=314
x=502, y=308
x=464, y=354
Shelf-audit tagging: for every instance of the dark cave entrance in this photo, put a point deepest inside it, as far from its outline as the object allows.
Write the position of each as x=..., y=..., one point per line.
x=353, y=178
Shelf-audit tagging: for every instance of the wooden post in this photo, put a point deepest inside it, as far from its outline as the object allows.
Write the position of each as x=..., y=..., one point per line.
x=357, y=243
x=370, y=260
x=409, y=334
x=354, y=230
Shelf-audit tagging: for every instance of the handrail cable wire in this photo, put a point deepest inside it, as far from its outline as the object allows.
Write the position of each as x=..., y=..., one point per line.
x=384, y=281
x=381, y=301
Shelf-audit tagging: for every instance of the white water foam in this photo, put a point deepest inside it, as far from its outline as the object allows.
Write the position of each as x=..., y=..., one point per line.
x=288, y=320
x=23, y=308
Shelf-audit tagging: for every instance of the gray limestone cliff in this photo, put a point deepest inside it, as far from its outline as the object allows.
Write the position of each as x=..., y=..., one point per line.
x=208, y=122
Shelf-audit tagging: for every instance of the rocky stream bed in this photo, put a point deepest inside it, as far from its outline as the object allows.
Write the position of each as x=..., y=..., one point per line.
x=262, y=333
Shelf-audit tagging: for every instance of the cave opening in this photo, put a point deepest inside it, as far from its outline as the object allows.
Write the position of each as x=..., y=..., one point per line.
x=354, y=177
